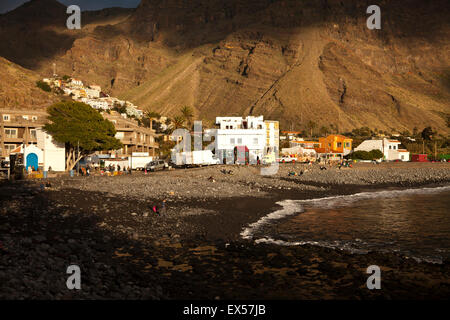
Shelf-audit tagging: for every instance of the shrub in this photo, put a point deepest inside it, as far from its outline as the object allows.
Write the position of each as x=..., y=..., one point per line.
x=361, y=155
x=44, y=86
x=376, y=154
x=364, y=155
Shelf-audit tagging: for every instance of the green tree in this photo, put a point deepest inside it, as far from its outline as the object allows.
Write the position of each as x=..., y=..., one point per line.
x=188, y=113
x=43, y=85
x=364, y=155
x=151, y=115
x=178, y=122
x=119, y=108
x=376, y=154
x=76, y=123
x=427, y=133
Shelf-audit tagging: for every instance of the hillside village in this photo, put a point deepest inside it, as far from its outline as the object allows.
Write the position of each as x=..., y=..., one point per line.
x=234, y=140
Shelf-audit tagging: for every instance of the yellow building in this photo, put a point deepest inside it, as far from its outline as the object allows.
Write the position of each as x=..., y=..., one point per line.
x=272, y=136
x=335, y=143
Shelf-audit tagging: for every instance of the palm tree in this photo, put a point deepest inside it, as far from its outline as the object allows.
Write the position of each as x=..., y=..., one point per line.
x=311, y=125
x=188, y=113
x=178, y=122
x=151, y=115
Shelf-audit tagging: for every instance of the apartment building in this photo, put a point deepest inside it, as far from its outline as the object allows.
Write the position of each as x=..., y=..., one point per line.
x=18, y=127
x=258, y=136
x=133, y=137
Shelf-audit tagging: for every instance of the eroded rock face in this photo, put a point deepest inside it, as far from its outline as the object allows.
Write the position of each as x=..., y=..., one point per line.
x=291, y=60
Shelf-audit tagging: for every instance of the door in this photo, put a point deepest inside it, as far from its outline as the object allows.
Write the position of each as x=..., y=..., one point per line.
x=32, y=161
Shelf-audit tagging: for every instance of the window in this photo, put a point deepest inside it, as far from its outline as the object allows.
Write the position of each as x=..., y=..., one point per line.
x=11, y=133
x=390, y=147
x=6, y=117
x=25, y=117
x=339, y=144
x=239, y=141
x=34, y=118
x=10, y=147
x=255, y=140
x=232, y=141
x=33, y=133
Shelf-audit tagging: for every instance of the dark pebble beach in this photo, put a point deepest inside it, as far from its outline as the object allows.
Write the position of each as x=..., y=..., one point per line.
x=193, y=249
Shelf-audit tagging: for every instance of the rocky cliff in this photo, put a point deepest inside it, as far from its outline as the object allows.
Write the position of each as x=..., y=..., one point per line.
x=293, y=60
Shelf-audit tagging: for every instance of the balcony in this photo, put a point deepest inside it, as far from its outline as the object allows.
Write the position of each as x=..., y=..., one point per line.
x=21, y=123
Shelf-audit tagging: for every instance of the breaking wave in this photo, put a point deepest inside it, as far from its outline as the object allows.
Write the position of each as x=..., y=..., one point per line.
x=290, y=208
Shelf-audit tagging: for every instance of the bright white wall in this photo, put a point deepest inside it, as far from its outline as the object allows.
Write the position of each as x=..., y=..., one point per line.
x=53, y=154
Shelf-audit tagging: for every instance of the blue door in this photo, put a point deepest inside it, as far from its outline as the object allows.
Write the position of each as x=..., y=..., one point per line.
x=32, y=161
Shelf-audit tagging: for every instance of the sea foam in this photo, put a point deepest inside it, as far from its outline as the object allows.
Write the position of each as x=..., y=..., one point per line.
x=292, y=207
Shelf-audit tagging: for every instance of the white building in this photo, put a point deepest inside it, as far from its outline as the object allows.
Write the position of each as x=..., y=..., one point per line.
x=132, y=111
x=46, y=153
x=389, y=147
x=53, y=153
x=252, y=132
x=97, y=104
x=92, y=93
x=76, y=82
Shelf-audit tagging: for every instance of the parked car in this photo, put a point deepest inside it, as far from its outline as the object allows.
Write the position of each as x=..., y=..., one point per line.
x=286, y=159
x=157, y=165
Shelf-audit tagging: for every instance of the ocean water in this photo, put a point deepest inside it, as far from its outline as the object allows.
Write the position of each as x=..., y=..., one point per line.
x=412, y=222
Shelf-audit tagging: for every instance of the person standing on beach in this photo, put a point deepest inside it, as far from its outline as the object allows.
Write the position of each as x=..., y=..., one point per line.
x=163, y=208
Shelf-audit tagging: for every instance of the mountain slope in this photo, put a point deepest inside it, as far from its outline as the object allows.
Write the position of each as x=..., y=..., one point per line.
x=292, y=60
x=18, y=88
